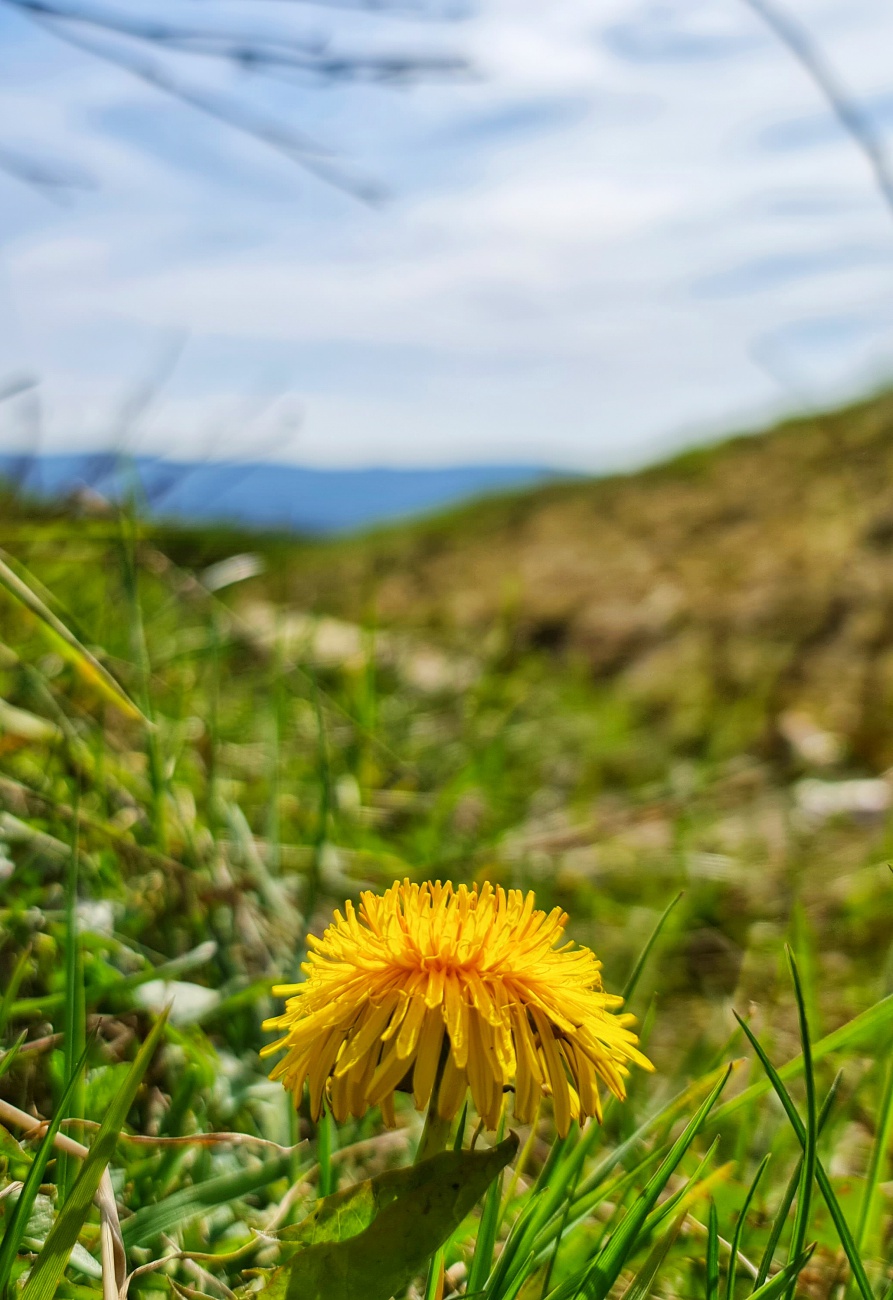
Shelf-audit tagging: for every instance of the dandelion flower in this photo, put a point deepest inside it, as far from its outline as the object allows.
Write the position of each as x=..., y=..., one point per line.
x=465, y=985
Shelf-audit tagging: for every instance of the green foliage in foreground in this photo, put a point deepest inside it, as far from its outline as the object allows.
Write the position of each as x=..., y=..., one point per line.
x=190, y=779
x=382, y=1232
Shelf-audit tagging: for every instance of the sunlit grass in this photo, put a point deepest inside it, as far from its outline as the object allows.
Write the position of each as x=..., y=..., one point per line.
x=186, y=791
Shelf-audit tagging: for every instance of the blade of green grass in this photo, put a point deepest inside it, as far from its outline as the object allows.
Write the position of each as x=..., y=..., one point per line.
x=157, y=767
x=787, y=1199
x=665, y=1116
x=641, y=1286
x=557, y=1152
x=604, y=1271
x=569, y=1289
x=874, y=1176
x=518, y=1284
x=486, y=1234
x=538, y=1230
x=803, y=944
x=114, y=997
x=11, y=991
x=613, y=1192
x=778, y=1226
x=712, y=1260
x=777, y=1285
x=9, y=1056
x=142, y=1228
x=739, y=1227
x=434, y=1284
x=75, y=1026
x=840, y=1223
x=635, y=974
x=460, y=1131
x=69, y=647
x=520, y=1237
x=687, y=1193
x=53, y=1259
x=562, y=1228
x=868, y=1025
x=807, y=1178
x=324, y=813
x=543, y=1209
x=18, y=1221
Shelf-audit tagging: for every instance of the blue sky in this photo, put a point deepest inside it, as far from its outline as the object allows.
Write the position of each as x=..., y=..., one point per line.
x=635, y=225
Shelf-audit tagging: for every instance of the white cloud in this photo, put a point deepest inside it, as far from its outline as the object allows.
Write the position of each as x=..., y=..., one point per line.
x=637, y=264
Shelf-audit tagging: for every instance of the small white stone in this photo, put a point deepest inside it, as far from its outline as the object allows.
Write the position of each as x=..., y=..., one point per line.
x=188, y=1002
x=96, y=916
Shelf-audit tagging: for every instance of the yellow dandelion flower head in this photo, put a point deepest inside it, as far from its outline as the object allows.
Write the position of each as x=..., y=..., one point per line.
x=472, y=985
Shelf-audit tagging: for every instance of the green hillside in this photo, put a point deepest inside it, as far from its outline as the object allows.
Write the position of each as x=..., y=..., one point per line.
x=753, y=574
x=612, y=692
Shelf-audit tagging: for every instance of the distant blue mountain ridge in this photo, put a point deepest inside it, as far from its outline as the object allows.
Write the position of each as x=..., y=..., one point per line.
x=263, y=495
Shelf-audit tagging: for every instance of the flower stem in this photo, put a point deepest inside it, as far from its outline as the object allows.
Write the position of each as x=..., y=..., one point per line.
x=436, y=1133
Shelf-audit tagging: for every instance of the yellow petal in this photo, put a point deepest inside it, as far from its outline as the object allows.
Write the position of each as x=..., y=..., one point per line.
x=557, y=1078
x=367, y=1032
x=320, y=1067
x=408, y=1037
x=428, y=1057
x=390, y=1070
x=453, y=1087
